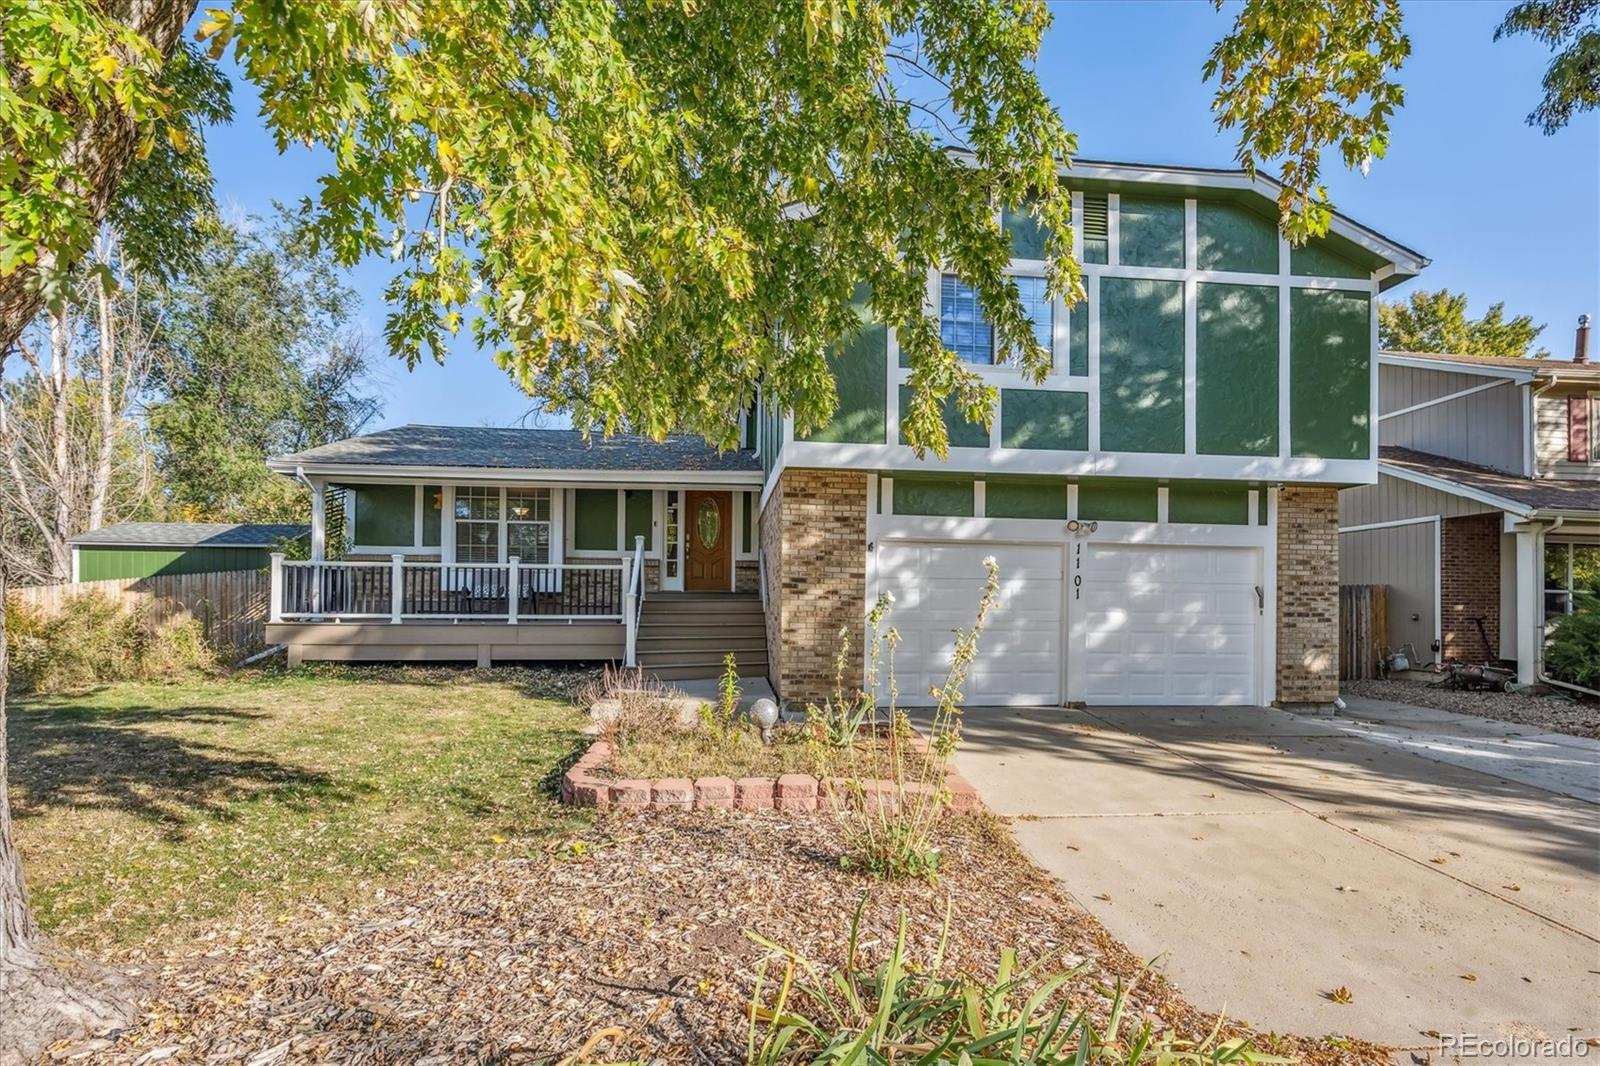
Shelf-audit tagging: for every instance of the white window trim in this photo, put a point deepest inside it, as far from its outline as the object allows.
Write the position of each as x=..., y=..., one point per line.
x=447, y=533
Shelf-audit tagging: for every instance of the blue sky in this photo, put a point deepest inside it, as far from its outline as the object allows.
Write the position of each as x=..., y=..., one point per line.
x=1505, y=212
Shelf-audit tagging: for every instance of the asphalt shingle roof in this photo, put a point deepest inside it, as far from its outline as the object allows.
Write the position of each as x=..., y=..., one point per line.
x=1544, y=494
x=519, y=449
x=1563, y=367
x=191, y=535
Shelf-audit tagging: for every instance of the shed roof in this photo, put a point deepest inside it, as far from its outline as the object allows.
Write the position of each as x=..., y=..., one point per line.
x=190, y=535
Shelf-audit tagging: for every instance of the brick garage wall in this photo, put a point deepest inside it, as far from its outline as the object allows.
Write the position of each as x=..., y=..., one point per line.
x=814, y=545
x=769, y=530
x=1308, y=594
x=1469, y=577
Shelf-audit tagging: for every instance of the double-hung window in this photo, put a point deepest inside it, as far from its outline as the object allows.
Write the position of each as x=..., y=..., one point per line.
x=492, y=524
x=965, y=331
x=528, y=525
x=477, y=524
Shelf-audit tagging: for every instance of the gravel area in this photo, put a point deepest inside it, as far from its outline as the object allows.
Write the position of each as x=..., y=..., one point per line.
x=1579, y=718
x=631, y=943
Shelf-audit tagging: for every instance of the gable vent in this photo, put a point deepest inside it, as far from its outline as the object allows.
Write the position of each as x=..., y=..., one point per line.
x=1094, y=223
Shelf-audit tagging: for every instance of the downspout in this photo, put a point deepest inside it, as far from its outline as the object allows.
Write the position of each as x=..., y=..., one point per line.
x=1538, y=670
x=1533, y=423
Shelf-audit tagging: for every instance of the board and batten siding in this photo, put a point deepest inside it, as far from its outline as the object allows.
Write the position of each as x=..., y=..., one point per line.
x=1394, y=498
x=1550, y=433
x=106, y=563
x=1484, y=428
x=1406, y=559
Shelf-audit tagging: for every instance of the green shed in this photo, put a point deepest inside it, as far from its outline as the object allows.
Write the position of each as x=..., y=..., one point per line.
x=146, y=549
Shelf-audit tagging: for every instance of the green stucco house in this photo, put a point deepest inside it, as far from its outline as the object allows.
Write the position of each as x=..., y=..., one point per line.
x=1163, y=507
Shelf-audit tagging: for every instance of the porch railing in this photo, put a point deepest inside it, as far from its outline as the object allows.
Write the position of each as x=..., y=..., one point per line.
x=633, y=604
x=404, y=591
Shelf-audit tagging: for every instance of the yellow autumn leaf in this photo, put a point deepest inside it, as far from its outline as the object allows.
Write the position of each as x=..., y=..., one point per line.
x=178, y=138
x=106, y=66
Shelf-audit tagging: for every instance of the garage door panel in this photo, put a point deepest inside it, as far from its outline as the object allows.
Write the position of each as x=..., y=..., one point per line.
x=937, y=587
x=1169, y=624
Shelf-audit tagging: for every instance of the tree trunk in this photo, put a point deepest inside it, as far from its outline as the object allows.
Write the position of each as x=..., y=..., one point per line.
x=46, y=995
x=103, y=146
x=105, y=415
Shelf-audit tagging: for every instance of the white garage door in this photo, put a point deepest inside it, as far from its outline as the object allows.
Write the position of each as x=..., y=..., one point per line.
x=937, y=588
x=1169, y=625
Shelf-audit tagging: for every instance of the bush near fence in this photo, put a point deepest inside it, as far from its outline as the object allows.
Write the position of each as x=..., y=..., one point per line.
x=230, y=606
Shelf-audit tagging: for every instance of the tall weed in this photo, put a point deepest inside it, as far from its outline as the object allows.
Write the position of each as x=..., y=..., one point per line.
x=891, y=834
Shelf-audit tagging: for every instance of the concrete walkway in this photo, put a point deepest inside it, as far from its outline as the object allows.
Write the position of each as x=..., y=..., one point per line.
x=1555, y=762
x=1273, y=858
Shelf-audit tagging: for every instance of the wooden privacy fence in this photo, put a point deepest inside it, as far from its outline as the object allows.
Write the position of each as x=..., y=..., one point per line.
x=230, y=605
x=1363, y=630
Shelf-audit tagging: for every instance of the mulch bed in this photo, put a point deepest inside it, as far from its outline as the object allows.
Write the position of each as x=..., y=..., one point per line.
x=1555, y=714
x=630, y=943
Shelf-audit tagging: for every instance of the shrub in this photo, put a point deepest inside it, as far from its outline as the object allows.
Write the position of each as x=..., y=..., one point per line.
x=1573, y=654
x=94, y=640
x=906, y=1011
x=640, y=707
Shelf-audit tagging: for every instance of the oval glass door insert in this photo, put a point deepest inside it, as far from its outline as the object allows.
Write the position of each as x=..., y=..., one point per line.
x=708, y=520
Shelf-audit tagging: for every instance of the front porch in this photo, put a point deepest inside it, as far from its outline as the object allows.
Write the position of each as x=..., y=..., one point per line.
x=433, y=543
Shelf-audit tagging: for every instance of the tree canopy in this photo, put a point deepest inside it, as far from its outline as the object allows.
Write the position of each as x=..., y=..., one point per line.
x=1438, y=322
x=260, y=358
x=1571, y=29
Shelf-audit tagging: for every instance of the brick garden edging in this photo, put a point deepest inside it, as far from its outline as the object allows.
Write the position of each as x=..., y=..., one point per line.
x=582, y=786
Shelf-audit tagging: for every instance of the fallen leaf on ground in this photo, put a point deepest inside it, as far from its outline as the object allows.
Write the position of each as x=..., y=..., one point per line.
x=1339, y=995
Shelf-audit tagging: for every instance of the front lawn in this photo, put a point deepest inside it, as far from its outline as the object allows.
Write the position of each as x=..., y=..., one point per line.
x=168, y=810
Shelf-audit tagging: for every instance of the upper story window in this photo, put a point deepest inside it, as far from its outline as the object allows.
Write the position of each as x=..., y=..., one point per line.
x=964, y=329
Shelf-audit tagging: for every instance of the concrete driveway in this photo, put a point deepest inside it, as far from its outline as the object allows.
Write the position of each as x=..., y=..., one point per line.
x=1274, y=857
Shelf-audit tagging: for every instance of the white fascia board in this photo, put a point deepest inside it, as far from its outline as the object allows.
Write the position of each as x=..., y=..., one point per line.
x=1403, y=259
x=364, y=474
x=886, y=458
x=1454, y=367
x=1456, y=489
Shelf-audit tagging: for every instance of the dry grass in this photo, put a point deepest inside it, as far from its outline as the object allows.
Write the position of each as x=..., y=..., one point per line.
x=153, y=811
x=694, y=753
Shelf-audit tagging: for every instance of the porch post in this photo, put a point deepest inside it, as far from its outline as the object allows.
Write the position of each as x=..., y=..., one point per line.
x=630, y=635
x=275, y=589
x=397, y=592
x=1530, y=603
x=512, y=589
x=319, y=523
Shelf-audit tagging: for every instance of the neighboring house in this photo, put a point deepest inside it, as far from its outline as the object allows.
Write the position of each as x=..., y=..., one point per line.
x=1163, y=507
x=1487, y=506
x=146, y=549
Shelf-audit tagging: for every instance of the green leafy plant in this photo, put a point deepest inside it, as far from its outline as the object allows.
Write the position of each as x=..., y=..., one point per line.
x=720, y=719
x=906, y=1011
x=890, y=832
x=1573, y=653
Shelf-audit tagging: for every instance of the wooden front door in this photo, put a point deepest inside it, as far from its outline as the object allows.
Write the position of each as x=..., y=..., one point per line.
x=708, y=551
